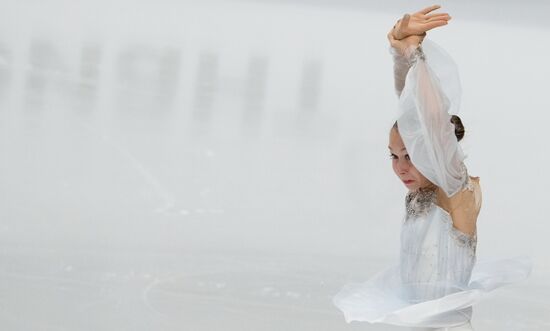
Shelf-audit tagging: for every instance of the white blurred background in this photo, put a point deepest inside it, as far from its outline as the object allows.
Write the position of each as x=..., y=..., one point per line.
x=223, y=165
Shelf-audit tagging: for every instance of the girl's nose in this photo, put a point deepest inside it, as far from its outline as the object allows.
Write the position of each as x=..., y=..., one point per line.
x=403, y=166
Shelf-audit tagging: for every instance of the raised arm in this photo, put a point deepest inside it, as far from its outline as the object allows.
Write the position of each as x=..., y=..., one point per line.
x=409, y=31
x=424, y=120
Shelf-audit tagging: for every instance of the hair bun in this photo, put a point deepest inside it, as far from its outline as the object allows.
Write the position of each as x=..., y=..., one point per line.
x=459, y=127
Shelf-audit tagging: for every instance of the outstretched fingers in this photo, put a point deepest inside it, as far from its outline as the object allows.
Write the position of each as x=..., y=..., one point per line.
x=428, y=10
x=437, y=19
x=444, y=16
x=419, y=22
x=432, y=25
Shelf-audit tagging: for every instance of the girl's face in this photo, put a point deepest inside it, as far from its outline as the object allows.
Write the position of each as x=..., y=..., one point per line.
x=402, y=165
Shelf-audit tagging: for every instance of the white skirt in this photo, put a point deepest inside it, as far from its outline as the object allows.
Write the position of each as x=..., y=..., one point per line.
x=464, y=327
x=380, y=299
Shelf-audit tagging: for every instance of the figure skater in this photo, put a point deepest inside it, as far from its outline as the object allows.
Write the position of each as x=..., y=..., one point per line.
x=437, y=280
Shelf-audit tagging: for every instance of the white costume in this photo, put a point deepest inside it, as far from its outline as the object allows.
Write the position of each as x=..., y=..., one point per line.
x=438, y=278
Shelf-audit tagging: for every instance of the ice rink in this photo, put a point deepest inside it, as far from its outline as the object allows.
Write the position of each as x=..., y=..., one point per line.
x=223, y=165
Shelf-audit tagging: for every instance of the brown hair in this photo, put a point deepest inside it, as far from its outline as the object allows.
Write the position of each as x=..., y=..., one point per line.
x=457, y=122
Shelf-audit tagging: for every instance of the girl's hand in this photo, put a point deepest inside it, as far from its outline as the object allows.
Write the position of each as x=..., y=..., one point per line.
x=419, y=22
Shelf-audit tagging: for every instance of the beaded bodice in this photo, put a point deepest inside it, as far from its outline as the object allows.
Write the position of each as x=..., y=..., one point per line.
x=419, y=202
x=436, y=258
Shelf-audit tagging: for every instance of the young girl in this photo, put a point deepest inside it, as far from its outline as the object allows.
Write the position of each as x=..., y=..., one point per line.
x=435, y=283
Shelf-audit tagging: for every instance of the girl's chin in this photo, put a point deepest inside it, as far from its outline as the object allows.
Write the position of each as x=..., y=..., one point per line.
x=411, y=186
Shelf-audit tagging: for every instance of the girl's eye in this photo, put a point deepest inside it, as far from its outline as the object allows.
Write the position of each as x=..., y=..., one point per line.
x=393, y=156
x=407, y=157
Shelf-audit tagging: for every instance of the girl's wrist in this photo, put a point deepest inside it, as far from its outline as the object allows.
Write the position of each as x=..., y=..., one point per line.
x=406, y=46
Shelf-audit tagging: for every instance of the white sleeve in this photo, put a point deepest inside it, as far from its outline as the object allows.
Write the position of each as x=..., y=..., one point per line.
x=425, y=126
x=400, y=69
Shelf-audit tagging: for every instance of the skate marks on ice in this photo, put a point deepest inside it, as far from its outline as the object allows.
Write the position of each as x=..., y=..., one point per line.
x=135, y=291
x=215, y=291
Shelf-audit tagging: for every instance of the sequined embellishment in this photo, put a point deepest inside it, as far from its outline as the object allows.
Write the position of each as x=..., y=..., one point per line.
x=463, y=239
x=467, y=184
x=418, y=54
x=419, y=202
